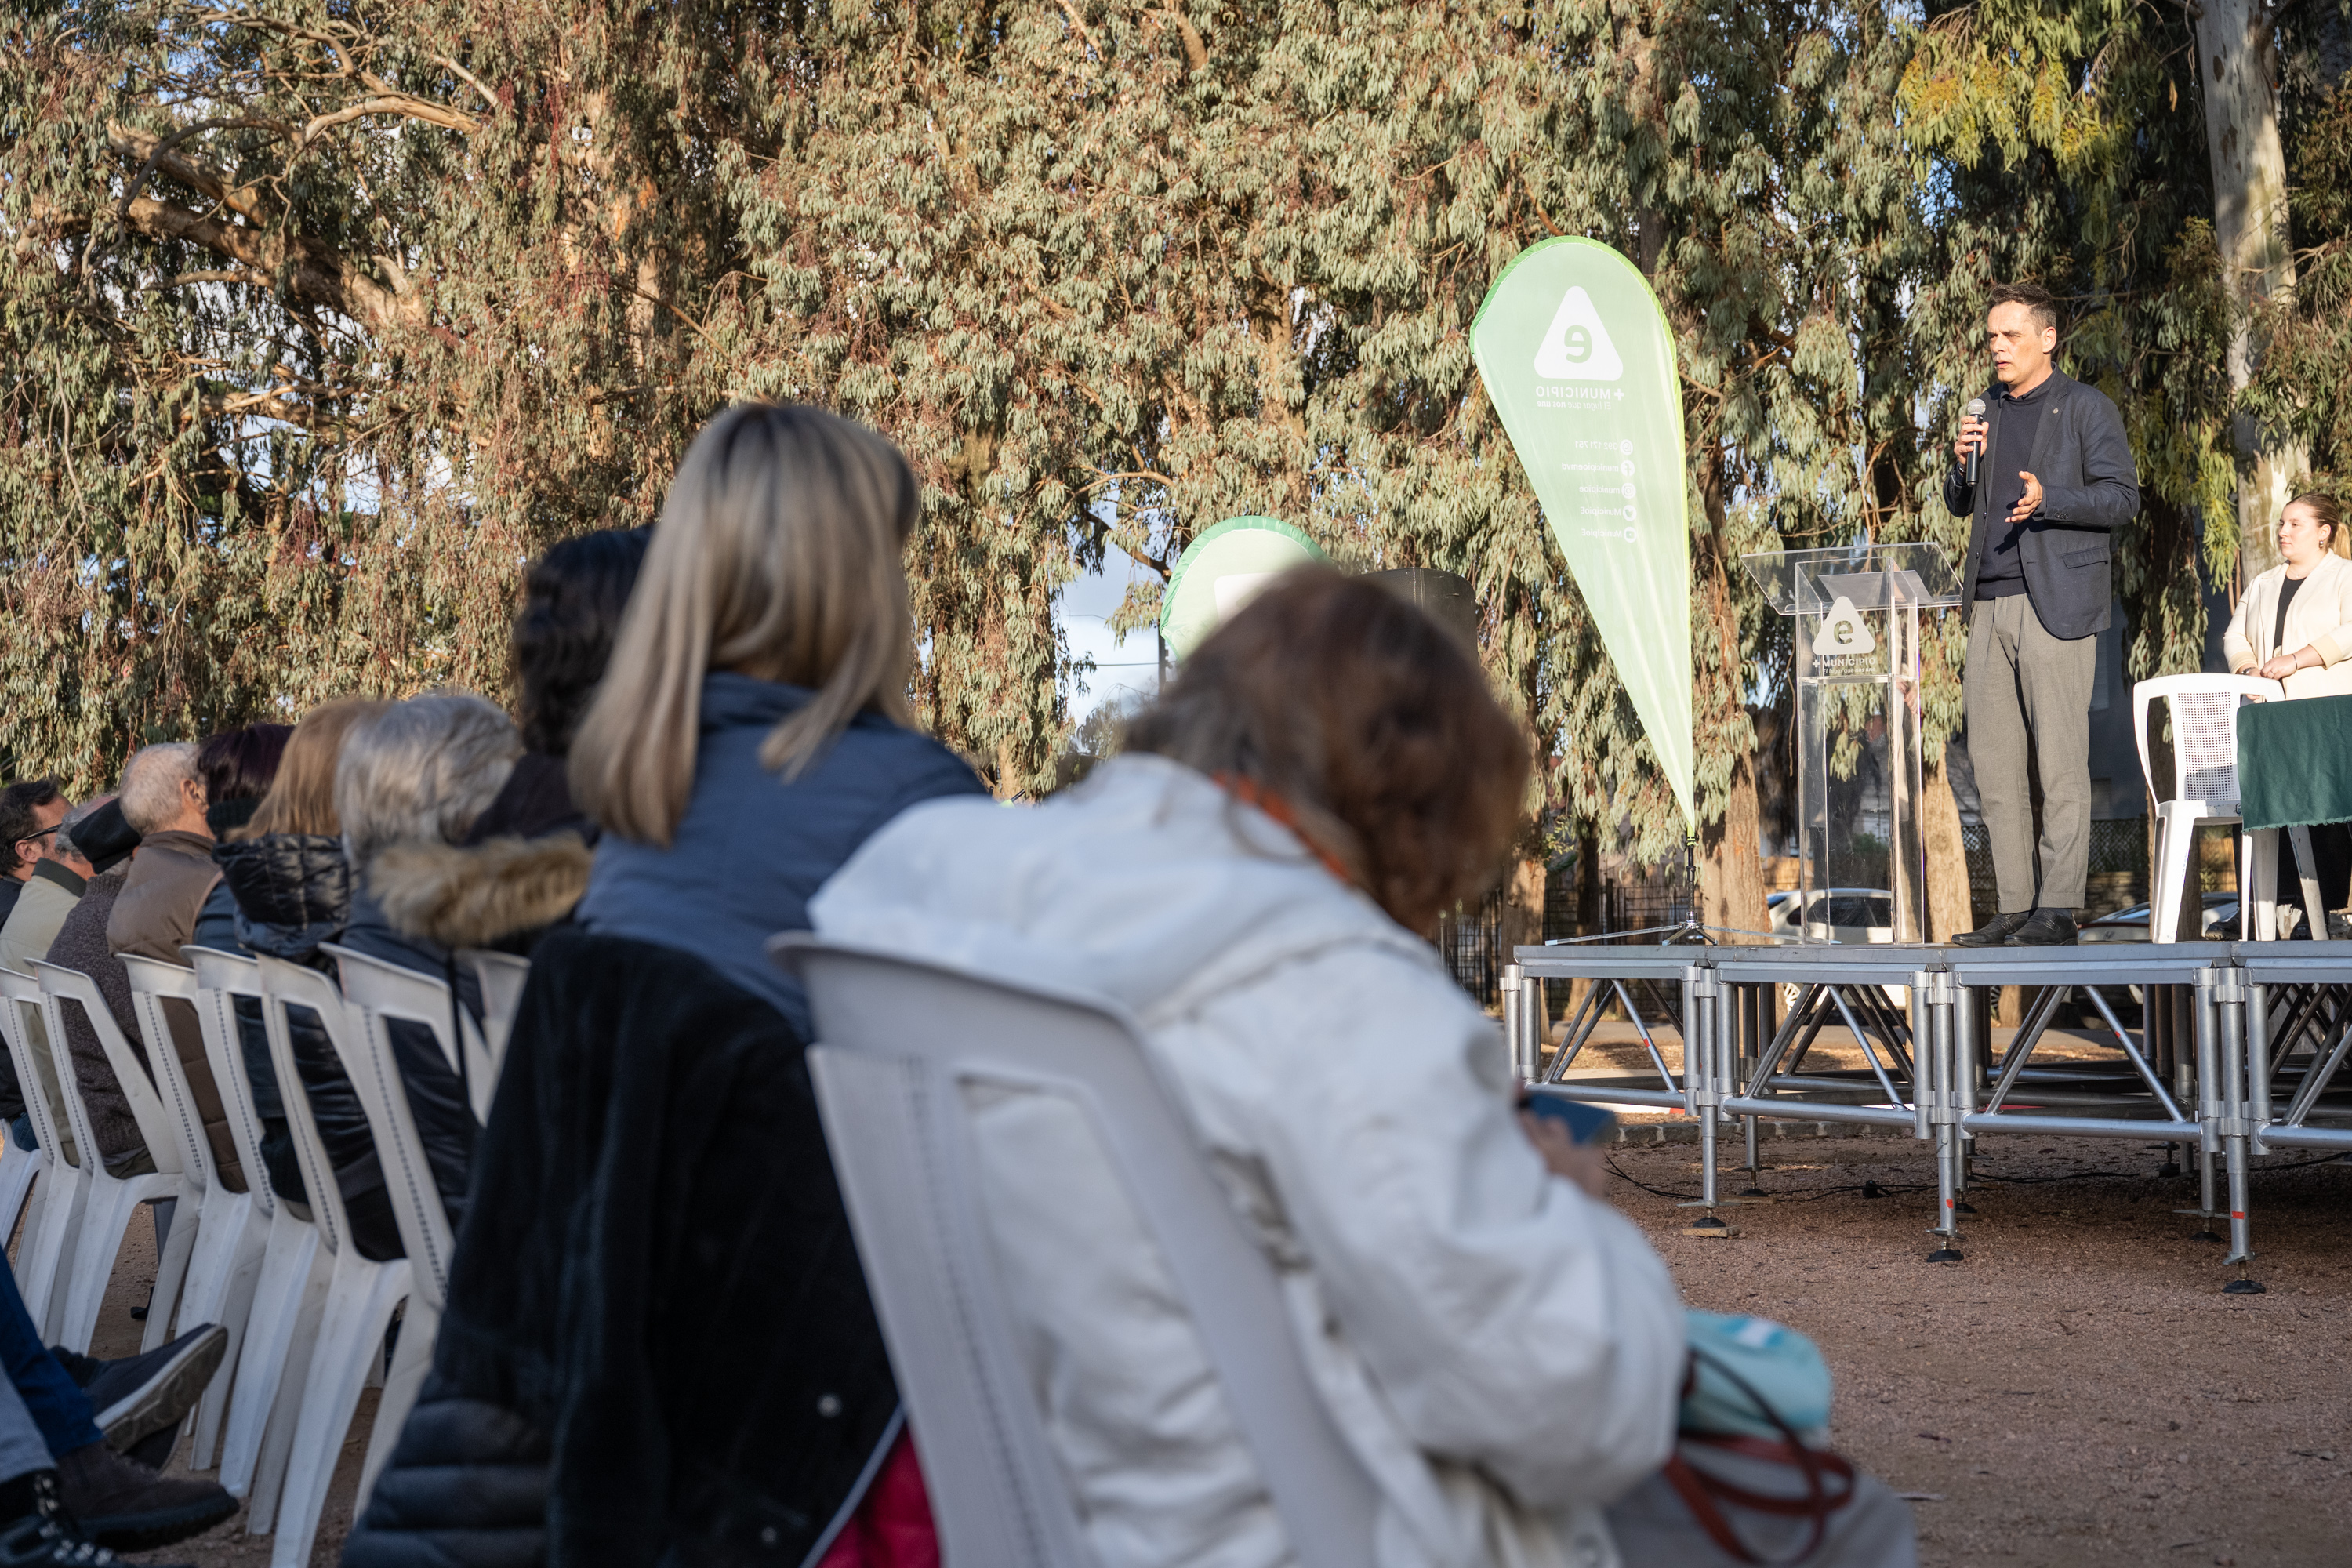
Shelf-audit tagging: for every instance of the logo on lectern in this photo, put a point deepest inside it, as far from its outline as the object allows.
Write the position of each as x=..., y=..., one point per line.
x=1844, y=631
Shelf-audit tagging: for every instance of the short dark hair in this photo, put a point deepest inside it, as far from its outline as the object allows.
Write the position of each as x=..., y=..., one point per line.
x=18, y=803
x=239, y=764
x=19, y=806
x=1370, y=722
x=2038, y=300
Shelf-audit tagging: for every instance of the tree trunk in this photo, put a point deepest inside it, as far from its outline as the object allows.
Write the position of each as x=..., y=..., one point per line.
x=1948, y=856
x=2237, y=65
x=1730, y=871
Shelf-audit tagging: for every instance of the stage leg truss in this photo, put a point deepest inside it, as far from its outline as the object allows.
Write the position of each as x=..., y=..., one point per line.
x=2241, y=1049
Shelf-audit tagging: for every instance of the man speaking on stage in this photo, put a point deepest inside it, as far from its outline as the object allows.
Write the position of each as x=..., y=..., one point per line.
x=2046, y=475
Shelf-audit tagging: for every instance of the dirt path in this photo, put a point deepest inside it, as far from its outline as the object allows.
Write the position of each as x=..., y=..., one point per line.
x=2078, y=1393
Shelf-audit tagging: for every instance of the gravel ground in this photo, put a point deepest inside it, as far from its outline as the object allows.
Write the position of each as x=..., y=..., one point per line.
x=2078, y=1391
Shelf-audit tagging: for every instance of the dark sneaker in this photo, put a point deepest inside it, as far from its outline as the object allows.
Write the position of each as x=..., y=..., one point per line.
x=140, y=1395
x=40, y=1542
x=128, y=1506
x=2044, y=928
x=1993, y=932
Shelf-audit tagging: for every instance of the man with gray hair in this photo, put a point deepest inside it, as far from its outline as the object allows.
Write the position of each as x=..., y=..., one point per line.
x=154, y=916
x=163, y=798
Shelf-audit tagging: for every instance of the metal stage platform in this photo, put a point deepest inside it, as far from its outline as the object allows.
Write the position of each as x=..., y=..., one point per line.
x=2241, y=1049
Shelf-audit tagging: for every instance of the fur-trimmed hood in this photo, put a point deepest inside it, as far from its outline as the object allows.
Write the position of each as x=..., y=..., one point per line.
x=480, y=895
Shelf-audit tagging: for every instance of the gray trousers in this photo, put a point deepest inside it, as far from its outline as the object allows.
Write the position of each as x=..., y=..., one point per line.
x=2028, y=696
x=22, y=1448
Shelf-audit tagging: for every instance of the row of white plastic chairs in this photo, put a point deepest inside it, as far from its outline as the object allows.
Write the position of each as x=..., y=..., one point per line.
x=307, y=1315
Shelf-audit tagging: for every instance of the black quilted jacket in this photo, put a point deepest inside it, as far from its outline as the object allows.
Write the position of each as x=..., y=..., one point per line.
x=289, y=893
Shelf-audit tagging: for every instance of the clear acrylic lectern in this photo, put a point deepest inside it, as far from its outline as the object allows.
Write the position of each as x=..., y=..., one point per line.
x=1862, y=857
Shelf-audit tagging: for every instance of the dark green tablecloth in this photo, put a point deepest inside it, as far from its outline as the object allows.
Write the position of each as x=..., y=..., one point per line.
x=2294, y=761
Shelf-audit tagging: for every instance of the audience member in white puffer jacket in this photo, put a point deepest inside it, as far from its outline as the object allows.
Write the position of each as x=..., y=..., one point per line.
x=1503, y=1349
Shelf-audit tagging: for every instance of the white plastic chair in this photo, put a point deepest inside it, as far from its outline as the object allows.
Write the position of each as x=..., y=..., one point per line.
x=219, y=1214
x=2204, y=713
x=362, y=1294
x=502, y=977
x=381, y=991
x=291, y=1291
x=225, y=1263
x=20, y=1170
x=54, y=1219
x=898, y=1040
x=114, y=1201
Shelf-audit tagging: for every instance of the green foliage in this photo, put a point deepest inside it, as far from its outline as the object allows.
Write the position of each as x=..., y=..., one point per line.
x=322, y=317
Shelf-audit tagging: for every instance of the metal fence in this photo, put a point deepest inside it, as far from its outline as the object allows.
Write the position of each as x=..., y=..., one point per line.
x=1470, y=938
x=2118, y=867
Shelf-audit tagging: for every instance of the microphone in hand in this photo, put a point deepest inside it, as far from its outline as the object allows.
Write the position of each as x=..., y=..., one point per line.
x=1974, y=411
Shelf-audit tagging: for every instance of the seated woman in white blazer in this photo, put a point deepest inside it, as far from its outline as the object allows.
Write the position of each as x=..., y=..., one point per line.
x=2295, y=624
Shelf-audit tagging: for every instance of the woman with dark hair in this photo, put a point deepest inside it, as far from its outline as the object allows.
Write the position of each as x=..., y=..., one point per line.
x=237, y=767
x=1249, y=881
x=525, y=862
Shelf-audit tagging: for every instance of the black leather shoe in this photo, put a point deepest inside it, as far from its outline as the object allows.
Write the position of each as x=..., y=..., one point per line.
x=2044, y=928
x=1994, y=931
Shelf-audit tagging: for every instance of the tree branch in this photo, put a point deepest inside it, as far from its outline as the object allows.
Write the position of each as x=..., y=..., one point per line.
x=159, y=153
x=399, y=103
x=314, y=274
x=156, y=153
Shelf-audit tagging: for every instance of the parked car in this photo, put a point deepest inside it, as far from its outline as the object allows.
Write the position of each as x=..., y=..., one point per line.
x=2220, y=921
x=1833, y=914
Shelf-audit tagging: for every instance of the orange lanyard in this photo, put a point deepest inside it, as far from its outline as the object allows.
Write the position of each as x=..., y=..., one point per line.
x=1248, y=792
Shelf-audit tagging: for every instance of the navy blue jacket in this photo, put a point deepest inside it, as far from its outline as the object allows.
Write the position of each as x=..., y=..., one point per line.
x=2090, y=487
x=752, y=849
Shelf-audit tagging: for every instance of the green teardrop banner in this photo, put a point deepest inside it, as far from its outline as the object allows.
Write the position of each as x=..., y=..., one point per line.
x=1220, y=571
x=1577, y=358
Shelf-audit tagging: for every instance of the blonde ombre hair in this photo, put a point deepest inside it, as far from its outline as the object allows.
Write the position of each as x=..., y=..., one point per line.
x=302, y=798
x=780, y=555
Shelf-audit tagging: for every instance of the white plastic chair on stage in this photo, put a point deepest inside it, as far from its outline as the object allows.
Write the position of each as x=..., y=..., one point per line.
x=362, y=1294
x=54, y=1217
x=2204, y=713
x=898, y=1041
x=114, y=1201
x=502, y=977
x=225, y=1263
x=291, y=1291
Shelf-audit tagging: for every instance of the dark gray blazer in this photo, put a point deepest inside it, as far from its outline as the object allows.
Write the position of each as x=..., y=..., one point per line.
x=2090, y=486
